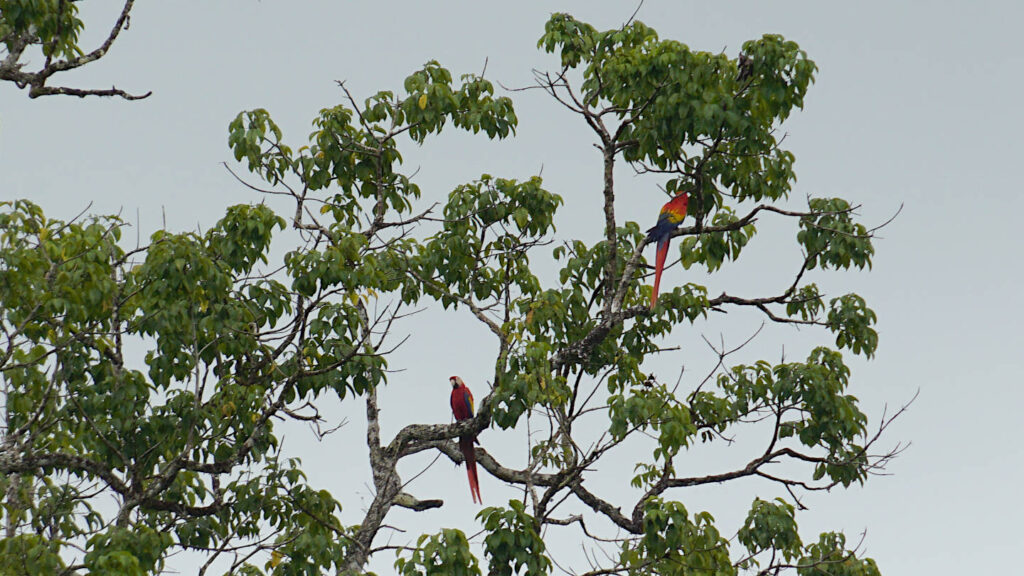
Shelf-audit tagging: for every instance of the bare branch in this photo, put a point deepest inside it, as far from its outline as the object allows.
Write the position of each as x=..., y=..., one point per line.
x=10, y=68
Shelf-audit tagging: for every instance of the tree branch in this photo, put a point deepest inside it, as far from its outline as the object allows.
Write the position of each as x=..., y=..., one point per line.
x=10, y=68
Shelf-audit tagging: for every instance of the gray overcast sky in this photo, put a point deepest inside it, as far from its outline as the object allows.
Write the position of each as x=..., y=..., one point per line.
x=916, y=104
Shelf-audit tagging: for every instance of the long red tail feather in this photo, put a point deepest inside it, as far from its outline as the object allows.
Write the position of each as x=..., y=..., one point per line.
x=466, y=445
x=659, y=264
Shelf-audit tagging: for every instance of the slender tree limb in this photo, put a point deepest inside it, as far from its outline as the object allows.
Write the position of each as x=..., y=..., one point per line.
x=11, y=69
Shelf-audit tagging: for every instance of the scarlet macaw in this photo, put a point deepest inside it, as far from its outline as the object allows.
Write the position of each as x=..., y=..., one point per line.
x=462, y=408
x=670, y=217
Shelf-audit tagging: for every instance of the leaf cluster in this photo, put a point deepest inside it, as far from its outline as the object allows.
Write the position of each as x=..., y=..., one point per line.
x=54, y=24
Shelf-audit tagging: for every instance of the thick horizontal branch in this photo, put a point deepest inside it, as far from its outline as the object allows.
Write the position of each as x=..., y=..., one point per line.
x=178, y=508
x=487, y=462
x=419, y=437
x=406, y=500
x=529, y=477
x=613, y=513
x=11, y=463
x=42, y=90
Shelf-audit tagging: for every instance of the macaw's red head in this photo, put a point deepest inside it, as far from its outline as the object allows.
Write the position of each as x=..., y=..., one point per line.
x=680, y=202
x=456, y=381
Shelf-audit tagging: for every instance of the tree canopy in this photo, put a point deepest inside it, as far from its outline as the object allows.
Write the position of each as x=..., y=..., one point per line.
x=109, y=467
